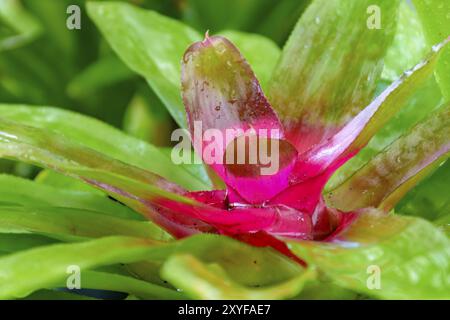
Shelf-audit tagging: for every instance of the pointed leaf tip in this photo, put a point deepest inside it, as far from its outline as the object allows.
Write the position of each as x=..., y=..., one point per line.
x=206, y=36
x=223, y=97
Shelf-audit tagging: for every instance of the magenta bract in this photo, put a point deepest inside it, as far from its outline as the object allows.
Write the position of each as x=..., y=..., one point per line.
x=220, y=91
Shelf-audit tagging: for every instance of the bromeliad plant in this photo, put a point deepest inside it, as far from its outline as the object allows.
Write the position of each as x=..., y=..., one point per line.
x=293, y=235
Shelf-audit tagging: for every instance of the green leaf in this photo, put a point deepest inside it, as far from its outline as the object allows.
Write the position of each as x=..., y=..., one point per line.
x=384, y=180
x=69, y=224
x=329, y=67
x=435, y=18
x=150, y=44
x=424, y=100
x=261, y=53
x=247, y=265
x=24, y=272
x=133, y=186
x=31, y=194
x=244, y=264
x=60, y=181
x=104, y=138
x=409, y=43
x=143, y=191
x=203, y=281
x=412, y=255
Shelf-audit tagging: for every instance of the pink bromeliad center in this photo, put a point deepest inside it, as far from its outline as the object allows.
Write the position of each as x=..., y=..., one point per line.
x=221, y=92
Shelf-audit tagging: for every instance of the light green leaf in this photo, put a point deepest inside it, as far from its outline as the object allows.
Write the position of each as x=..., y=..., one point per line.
x=27, y=271
x=424, y=100
x=247, y=265
x=412, y=255
x=409, y=44
x=359, y=131
x=135, y=187
x=104, y=138
x=244, y=264
x=60, y=181
x=69, y=224
x=384, y=180
x=31, y=194
x=24, y=272
x=203, y=281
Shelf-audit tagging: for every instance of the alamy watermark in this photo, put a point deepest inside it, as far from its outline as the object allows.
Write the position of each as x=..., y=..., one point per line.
x=374, y=279
x=74, y=279
x=73, y=21
x=374, y=19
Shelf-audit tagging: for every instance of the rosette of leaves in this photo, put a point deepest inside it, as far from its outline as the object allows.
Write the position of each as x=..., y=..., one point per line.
x=356, y=137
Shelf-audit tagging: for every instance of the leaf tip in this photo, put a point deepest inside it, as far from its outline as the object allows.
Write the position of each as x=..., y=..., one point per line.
x=207, y=39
